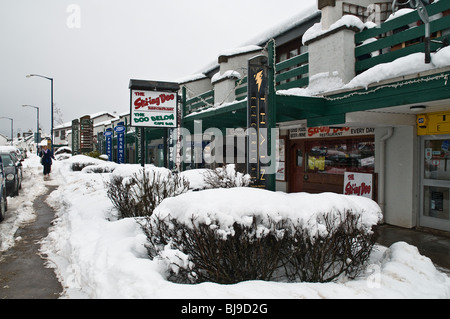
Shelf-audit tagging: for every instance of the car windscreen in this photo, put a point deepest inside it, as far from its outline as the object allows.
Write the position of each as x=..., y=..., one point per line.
x=7, y=160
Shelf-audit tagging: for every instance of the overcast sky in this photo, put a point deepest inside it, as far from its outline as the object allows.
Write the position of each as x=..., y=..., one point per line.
x=92, y=48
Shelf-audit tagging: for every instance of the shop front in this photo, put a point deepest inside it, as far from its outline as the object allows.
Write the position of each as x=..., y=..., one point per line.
x=321, y=159
x=434, y=132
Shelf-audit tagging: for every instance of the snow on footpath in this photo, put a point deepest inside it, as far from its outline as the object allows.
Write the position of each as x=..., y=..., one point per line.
x=97, y=256
x=20, y=208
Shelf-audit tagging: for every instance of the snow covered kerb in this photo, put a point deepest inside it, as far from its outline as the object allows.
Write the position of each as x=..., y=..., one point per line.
x=225, y=207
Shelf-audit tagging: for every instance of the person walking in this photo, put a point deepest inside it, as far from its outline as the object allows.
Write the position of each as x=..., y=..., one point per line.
x=46, y=159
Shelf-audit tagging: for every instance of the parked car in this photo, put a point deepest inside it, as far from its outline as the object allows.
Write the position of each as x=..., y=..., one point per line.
x=3, y=199
x=17, y=156
x=12, y=171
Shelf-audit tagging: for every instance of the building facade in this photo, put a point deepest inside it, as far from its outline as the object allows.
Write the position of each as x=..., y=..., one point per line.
x=357, y=110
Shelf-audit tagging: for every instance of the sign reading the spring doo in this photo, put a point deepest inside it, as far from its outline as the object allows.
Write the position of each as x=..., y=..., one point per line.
x=153, y=109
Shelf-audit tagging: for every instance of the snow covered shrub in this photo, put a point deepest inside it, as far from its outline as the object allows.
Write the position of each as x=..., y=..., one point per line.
x=341, y=247
x=107, y=167
x=204, y=253
x=226, y=177
x=139, y=194
x=232, y=235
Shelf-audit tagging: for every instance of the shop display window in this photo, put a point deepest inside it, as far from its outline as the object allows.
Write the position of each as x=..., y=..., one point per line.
x=437, y=156
x=340, y=156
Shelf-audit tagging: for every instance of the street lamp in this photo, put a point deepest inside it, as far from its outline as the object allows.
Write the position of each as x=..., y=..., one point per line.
x=51, y=123
x=37, y=125
x=12, y=125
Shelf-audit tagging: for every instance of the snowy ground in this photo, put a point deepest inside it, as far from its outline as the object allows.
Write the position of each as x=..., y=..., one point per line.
x=97, y=256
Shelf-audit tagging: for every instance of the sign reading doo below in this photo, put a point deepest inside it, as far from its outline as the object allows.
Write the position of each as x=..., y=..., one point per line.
x=153, y=109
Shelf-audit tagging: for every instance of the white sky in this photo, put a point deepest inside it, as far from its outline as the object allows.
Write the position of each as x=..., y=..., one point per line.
x=117, y=40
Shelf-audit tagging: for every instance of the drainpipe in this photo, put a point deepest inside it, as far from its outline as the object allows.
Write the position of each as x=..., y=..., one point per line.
x=382, y=170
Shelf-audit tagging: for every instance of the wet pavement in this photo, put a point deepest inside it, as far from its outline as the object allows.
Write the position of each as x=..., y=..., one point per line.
x=23, y=274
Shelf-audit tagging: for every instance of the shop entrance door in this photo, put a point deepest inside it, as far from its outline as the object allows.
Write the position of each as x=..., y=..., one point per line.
x=297, y=167
x=435, y=182
x=304, y=179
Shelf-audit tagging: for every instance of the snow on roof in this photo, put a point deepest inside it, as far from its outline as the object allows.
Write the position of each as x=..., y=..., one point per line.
x=305, y=15
x=226, y=75
x=191, y=78
x=347, y=20
x=410, y=64
x=241, y=50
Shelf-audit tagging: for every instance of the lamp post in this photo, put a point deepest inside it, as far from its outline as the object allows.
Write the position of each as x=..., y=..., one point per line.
x=12, y=126
x=37, y=125
x=51, y=123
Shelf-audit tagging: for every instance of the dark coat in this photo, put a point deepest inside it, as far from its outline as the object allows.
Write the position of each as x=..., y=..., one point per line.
x=47, y=157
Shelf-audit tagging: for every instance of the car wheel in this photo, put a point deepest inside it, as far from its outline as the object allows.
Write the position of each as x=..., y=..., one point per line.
x=3, y=208
x=16, y=192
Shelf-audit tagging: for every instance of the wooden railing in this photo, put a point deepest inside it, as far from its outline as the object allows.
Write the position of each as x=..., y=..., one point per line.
x=401, y=36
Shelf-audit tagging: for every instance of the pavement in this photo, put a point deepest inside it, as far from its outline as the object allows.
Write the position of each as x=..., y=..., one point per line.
x=23, y=274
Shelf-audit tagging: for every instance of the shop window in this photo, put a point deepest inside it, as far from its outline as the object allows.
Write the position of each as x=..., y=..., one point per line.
x=437, y=156
x=340, y=156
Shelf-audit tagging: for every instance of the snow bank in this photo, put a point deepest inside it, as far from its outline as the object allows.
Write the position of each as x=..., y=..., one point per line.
x=20, y=208
x=224, y=207
x=97, y=256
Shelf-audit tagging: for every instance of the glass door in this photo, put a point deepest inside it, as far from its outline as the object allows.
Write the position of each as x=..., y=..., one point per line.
x=435, y=182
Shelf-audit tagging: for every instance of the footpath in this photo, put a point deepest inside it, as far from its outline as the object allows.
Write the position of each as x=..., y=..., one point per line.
x=23, y=274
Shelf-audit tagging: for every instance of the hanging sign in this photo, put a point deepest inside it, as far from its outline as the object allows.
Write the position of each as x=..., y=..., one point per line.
x=120, y=130
x=108, y=135
x=153, y=109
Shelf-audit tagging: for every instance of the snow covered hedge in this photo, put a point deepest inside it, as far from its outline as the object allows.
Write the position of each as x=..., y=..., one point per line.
x=139, y=194
x=238, y=234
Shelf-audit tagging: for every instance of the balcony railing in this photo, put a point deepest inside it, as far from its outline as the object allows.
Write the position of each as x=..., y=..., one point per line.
x=401, y=36
x=290, y=73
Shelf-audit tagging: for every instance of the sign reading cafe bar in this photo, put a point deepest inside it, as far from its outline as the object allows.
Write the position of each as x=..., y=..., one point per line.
x=153, y=109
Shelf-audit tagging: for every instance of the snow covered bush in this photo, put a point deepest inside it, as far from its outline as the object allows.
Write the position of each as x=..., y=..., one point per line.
x=139, y=194
x=341, y=247
x=225, y=177
x=79, y=162
x=238, y=234
x=200, y=252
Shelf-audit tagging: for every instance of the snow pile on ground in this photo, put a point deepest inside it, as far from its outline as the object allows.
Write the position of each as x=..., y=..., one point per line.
x=20, y=208
x=97, y=256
